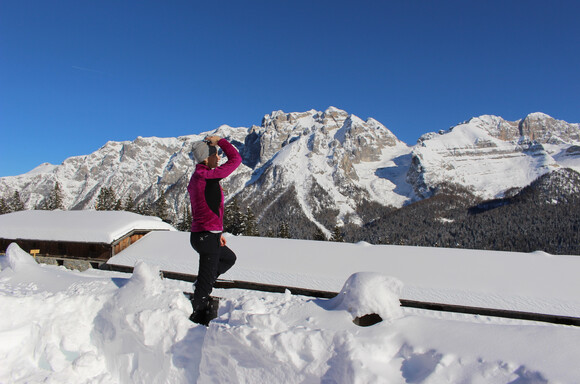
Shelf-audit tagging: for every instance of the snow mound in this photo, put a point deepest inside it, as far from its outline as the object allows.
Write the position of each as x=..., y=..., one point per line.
x=366, y=293
x=16, y=258
x=45, y=334
x=65, y=326
x=138, y=327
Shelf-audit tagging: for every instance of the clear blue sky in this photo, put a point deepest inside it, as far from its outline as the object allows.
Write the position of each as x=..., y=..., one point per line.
x=76, y=74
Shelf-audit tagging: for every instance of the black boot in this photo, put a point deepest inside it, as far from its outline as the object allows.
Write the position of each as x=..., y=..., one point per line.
x=205, y=312
x=200, y=317
x=214, y=305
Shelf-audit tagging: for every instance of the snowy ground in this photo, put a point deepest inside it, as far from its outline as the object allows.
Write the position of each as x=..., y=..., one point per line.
x=530, y=282
x=63, y=326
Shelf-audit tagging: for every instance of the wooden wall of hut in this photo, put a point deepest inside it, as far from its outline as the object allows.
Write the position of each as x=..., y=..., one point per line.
x=127, y=241
x=97, y=251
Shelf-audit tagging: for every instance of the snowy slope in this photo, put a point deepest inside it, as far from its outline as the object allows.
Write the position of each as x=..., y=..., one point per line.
x=63, y=326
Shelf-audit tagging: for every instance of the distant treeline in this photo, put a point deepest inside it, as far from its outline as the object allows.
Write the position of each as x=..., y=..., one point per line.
x=543, y=216
x=443, y=221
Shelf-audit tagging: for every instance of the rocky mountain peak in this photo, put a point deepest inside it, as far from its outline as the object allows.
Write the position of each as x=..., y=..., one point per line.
x=544, y=129
x=365, y=140
x=497, y=127
x=331, y=118
x=538, y=127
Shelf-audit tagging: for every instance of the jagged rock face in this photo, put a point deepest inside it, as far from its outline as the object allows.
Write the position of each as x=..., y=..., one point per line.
x=544, y=129
x=497, y=127
x=365, y=141
x=488, y=156
x=316, y=154
x=280, y=129
x=320, y=166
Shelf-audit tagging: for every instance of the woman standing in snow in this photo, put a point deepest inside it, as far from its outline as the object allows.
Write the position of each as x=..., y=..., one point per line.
x=207, y=210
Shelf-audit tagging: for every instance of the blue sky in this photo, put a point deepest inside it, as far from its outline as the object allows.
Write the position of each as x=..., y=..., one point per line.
x=76, y=74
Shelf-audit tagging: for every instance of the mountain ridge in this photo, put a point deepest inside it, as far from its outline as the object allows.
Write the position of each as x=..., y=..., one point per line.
x=322, y=166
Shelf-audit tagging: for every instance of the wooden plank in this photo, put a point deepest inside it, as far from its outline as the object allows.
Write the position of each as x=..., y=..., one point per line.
x=503, y=313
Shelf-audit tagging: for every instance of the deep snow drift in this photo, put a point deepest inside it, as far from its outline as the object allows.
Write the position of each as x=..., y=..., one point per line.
x=63, y=326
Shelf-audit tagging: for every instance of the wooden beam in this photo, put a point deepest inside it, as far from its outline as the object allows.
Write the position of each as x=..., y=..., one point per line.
x=504, y=313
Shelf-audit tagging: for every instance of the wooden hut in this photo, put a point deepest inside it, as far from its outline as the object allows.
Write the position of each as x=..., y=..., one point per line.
x=86, y=235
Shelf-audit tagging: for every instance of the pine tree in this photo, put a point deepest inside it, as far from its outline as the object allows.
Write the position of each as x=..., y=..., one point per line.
x=55, y=200
x=250, y=226
x=106, y=200
x=16, y=203
x=130, y=204
x=145, y=209
x=319, y=235
x=4, y=206
x=162, y=208
x=337, y=235
x=284, y=231
x=234, y=220
x=184, y=223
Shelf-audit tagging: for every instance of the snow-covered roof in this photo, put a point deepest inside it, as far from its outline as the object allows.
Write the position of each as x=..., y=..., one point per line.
x=77, y=226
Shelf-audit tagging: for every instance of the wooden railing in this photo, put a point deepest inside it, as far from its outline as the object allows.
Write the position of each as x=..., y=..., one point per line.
x=442, y=307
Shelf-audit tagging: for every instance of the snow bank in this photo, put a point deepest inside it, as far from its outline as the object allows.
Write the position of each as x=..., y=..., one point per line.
x=138, y=326
x=88, y=329
x=62, y=326
x=281, y=338
x=47, y=334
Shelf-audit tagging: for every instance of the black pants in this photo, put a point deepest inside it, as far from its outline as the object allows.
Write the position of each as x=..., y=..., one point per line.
x=214, y=260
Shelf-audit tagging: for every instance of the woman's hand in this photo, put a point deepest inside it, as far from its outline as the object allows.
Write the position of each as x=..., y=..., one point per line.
x=213, y=140
x=223, y=241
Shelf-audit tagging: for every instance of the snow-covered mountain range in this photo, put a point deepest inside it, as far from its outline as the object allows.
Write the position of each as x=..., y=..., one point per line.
x=490, y=156
x=324, y=166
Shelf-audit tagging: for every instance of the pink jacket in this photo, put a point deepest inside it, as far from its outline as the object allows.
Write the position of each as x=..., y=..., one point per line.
x=206, y=194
